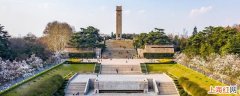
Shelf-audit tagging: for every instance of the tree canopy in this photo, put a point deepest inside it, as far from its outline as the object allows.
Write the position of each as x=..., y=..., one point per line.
x=86, y=38
x=4, y=44
x=22, y=48
x=57, y=35
x=155, y=37
x=214, y=40
x=195, y=30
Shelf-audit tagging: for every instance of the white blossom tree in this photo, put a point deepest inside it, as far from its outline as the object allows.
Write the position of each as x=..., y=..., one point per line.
x=223, y=68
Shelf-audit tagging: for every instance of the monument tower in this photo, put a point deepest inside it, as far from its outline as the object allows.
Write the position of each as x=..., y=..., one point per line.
x=119, y=22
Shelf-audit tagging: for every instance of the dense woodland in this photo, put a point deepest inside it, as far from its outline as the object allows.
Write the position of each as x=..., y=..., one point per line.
x=218, y=40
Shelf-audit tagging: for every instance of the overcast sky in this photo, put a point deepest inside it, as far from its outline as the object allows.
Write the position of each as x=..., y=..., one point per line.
x=23, y=16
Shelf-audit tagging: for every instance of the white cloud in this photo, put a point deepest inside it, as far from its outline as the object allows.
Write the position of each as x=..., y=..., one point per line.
x=200, y=11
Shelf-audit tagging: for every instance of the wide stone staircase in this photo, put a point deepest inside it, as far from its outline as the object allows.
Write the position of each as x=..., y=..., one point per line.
x=75, y=89
x=121, y=69
x=119, y=49
x=167, y=88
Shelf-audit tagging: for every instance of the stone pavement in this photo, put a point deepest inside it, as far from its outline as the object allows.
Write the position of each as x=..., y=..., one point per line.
x=120, y=61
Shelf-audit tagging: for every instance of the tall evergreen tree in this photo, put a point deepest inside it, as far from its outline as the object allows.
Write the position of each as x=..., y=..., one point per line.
x=155, y=37
x=4, y=44
x=195, y=30
x=86, y=38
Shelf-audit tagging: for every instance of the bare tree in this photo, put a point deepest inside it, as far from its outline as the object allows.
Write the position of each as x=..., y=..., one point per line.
x=57, y=35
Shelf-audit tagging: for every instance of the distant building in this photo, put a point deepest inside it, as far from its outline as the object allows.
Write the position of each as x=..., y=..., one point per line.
x=156, y=49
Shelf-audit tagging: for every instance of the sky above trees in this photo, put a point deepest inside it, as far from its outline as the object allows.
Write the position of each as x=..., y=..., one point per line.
x=23, y=16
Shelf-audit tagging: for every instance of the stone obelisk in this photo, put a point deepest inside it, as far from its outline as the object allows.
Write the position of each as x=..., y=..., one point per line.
x=119, y=23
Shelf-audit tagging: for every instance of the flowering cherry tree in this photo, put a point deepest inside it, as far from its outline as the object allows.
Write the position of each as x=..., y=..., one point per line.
x=10, y=70
x=219, y=67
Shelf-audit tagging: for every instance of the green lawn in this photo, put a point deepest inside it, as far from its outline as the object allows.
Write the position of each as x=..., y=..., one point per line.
x=62, y=70
x=178, y=71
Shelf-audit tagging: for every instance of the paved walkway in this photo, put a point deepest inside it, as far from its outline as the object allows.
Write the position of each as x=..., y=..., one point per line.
x=120, y=61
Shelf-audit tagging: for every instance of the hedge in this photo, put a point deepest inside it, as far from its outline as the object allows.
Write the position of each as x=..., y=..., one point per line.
x=97, y=68
x=82, y=55
x=47, y=87
x=192, y=87
x=158, y=55
x=60, y=91
x=170, y=62
x=143, y=68
x=73, y=62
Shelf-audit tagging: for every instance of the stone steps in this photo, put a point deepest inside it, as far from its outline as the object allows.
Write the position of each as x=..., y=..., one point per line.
x=167, y=88
x=119, y=49
x=122, y=69
x=119, y=43
x=119, y=53
x=126, y=72
x=75, y=89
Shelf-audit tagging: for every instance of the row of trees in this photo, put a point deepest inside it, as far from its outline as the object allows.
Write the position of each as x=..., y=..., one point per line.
x=22, y=47
x=11, y=70
x=124, y=35
x=218, y=40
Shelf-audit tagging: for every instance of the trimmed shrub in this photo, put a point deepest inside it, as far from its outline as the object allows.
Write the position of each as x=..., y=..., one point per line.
x=184, y=94
x=192, y=87
x=158, y=55
x=97, y=68
x=46, y=87
x=181, y=91
x=170, y=62
x=73, y=62
x=82, y=55
x=182, y=79
x=143, y=68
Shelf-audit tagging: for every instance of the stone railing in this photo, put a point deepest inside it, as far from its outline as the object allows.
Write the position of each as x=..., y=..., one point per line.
x=155, y=87
x=86, y=87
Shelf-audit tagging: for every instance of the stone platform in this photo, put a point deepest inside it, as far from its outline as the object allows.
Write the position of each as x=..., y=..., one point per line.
x=122, y=85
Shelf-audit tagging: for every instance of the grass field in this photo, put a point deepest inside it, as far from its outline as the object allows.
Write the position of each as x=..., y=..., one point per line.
x=62, y=70
x=178, y=71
